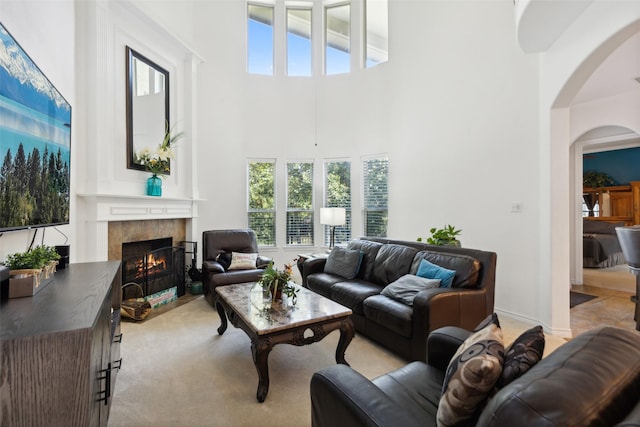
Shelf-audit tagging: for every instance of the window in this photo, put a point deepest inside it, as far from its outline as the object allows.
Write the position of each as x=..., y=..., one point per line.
x=260, y=39
x=338, y=194
x=337, y=35
x=375, y=173
x=377, y=33
x=300, y=203
x=262, y=201
x=299, y=42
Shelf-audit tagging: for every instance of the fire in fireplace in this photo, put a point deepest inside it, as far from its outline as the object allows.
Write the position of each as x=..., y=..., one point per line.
x=155, y=265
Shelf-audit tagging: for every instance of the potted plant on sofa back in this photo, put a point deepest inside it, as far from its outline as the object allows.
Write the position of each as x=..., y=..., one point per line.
x=446, y=236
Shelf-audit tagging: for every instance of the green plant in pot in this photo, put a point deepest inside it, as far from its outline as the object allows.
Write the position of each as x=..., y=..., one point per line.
x=278, y=282
x=33, y=259
x=593, y=179
x=446, y=236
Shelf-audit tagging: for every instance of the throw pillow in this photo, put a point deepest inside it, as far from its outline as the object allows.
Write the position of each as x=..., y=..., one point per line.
x=472, y=373
x=343, y=262
x=433, y=271
x=241, y=261
x=522, y=355
x=224, y=259
x=406, y=287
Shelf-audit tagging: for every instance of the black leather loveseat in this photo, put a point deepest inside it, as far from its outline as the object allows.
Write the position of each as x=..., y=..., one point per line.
x=400, y=327
x=593, y=380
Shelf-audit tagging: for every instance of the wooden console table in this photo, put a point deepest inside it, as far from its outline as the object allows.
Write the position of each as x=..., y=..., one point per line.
x=58, y=359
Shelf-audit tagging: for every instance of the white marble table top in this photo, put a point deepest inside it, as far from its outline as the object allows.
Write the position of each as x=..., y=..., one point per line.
x=264, y=317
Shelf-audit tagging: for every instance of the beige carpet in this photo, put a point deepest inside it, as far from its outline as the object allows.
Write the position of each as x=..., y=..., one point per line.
x=177, y=371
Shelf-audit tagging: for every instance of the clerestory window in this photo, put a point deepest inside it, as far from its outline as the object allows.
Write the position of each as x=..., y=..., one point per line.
x=338, y=44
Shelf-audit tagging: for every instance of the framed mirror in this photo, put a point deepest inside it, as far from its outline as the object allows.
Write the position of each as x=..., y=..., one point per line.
x=147, y=106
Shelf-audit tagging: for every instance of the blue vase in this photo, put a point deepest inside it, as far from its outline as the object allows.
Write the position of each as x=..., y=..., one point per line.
x=154, y=186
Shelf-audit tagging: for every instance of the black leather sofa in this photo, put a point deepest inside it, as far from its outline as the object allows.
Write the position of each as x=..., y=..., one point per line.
x=402, y=328
x=593, y=380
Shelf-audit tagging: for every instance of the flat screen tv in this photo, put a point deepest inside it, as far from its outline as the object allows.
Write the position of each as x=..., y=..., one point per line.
x=35, y=143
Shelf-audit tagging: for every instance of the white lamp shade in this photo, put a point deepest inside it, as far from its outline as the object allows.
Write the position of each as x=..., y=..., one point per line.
x=333, y=216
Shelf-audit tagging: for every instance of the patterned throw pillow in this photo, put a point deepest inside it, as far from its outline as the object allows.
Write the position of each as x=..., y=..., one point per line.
x=406, y=287
x=240, y=261
x=522, y=355
x=343, y=262
x=472, y=373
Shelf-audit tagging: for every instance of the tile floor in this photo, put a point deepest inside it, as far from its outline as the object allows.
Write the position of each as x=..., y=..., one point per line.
x=612, y=307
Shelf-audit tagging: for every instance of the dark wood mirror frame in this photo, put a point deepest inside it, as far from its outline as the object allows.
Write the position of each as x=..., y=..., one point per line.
x=133, y=59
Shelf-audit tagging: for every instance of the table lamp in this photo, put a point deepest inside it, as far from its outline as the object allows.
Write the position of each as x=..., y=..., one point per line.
x=333, y=217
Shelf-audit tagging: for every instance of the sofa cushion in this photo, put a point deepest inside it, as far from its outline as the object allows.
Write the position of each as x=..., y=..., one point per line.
x=415, y=388
x=369, y=250
x=352, y=293
x=343, y=262
x=429, y=270
x=522, y=355
x=393, y=315
x=392, y=261
x=242, y=261
x=406, y=287
x=472, y=373
x=467, y=268
x=321, y=283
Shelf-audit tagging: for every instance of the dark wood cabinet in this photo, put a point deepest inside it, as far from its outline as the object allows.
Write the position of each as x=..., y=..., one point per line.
x=60, y=349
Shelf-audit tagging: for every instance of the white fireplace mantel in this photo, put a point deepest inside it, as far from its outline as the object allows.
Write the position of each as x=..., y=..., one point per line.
x=113, y=207
x=100, y=209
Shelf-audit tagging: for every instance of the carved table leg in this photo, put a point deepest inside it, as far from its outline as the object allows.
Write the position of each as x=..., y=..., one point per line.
x=223, y=318
x=346, y=335
x=260, y=350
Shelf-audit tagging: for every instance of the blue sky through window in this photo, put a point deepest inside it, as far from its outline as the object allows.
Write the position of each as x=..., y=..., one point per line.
x=260, y=48
x=298, y=55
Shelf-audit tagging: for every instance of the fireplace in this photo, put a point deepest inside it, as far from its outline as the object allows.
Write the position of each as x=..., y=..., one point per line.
x=155, y=265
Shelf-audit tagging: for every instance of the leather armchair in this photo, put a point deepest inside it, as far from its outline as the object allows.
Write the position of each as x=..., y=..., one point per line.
x=216, y=242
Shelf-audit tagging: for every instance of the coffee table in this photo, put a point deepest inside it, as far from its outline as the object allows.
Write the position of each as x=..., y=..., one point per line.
x=306, y=322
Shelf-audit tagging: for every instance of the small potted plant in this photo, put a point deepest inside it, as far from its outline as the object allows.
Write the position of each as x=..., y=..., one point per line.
x=446, y=236
x=31, y=271
x=278, y=282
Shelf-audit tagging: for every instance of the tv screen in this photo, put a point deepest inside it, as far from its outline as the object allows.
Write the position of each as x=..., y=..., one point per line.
x=35, y=143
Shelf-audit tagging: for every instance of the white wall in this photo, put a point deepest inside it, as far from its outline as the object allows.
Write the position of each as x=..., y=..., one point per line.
x=45, y=30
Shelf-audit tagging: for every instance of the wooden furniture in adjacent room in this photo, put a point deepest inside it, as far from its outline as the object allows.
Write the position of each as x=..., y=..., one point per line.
x=59, y=351
x=619, y=203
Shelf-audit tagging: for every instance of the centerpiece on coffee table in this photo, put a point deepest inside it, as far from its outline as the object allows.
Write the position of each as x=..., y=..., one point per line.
x=278, y=282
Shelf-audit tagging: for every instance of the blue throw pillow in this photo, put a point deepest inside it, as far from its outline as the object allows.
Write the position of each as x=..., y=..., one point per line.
x=432, y=271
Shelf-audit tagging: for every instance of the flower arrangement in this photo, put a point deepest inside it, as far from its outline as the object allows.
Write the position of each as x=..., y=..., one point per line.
x=278, y=282
x=157, y=161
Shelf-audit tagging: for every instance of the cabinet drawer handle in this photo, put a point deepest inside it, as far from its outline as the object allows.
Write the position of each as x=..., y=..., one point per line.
x=106, y=393
x=117, y=364
x=117, y=338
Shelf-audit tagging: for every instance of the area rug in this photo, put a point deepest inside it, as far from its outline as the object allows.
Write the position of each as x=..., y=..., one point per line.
x=576, y=298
